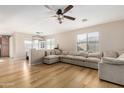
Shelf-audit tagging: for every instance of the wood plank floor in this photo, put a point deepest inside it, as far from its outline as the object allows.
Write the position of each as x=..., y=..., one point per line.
x=18, y=74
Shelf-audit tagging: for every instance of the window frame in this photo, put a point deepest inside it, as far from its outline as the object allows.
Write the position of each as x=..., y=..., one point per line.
x=51, y=43
x=87, y=42
x=27, y=42
x=78, y=42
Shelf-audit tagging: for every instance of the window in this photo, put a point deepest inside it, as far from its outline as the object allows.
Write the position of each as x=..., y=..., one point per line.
x=42, y=44
x=88, y=42
x=28, y=44
x=38, y=44
x=35, y=44
x=93, y=41
x=82, y=42
x=50, y=43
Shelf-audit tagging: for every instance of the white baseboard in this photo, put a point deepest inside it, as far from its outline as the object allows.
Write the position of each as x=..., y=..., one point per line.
x=19, y=58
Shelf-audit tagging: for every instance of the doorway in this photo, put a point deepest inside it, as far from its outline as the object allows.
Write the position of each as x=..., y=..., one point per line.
x=4, y=46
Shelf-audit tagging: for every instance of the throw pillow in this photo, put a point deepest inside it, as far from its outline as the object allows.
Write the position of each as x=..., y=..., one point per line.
x=47, y=52
x=65, y=52
x=112, y=60
x=84, y=54
x=121, y=56
x=57, y=52
x=96, y=55
x=112, y=54
x=72, y=53
x=120, y=52
x=53, y=52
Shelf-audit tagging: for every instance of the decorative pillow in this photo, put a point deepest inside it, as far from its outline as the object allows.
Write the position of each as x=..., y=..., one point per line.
x=52, y=52
x=121, y=56
x=120, y=52
x=112, y=60
x=108, y=59
x=47, y=52
x=72, y=53
x=65, y=52
x=121, y=59
x=96, y=55
x=84, y=54
x=57, y=52
x=112, y=54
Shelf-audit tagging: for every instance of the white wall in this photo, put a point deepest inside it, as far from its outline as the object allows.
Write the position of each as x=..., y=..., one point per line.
x=18, y=44
x=11, y=46
x=111, y=36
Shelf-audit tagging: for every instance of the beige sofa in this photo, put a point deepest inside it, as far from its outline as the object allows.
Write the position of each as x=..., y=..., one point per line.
x=78, y=58
x=111, y=68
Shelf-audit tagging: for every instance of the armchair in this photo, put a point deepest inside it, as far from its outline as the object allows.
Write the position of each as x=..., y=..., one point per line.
x=112, y=70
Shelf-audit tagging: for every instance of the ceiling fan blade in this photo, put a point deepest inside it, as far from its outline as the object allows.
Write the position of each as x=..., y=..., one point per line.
x=69, y=7
x=69, y=17
x=50, y=8
x=54, y=16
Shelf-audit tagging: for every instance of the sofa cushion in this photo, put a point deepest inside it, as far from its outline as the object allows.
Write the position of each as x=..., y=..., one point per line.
x=51, y=56
x=93, y=59
x=79, y=58
x=113, y=60
x=68, y=56
x=61, y=56
x=95, y=55
x=112, y=54
x=84, y=54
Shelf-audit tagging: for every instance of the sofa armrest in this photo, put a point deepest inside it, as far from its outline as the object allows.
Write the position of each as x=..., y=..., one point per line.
x=112, y=60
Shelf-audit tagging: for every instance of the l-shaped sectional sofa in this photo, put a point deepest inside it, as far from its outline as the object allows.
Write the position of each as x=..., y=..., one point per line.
x=78, y=58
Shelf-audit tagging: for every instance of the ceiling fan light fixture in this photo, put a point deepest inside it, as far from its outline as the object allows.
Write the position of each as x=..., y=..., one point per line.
x=60, y=16
x=39, y=33
x=60, y=13
x=84, y=20
x=60, y=22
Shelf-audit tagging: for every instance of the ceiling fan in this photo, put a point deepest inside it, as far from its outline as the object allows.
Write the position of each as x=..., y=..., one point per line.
x=60, y=14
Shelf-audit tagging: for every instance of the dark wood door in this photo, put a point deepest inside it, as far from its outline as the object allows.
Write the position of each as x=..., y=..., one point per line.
x=0, y=44
x=5, y=46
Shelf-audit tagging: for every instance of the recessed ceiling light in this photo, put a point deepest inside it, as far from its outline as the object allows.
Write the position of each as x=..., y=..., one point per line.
x=84, y=20
x=39, y=32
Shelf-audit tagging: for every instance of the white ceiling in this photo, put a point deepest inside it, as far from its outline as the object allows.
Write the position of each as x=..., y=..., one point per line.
x=36, y=18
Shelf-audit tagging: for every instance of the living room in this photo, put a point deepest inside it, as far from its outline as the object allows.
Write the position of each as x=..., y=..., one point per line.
x=60, y=46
